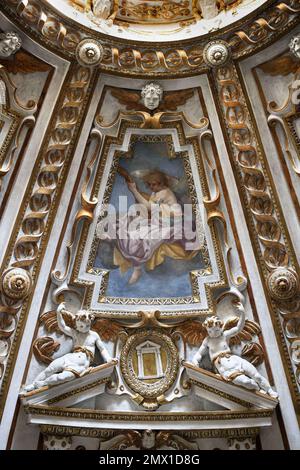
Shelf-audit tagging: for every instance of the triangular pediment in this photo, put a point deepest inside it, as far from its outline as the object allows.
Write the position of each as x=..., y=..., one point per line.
x=61, y=405
x=213, y=388
x=71, y=393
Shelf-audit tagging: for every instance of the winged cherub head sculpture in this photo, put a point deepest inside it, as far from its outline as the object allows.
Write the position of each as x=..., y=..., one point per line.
x=152, y=94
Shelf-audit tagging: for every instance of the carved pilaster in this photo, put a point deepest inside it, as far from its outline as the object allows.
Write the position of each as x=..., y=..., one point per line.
x=32, y=229
x=272, y=246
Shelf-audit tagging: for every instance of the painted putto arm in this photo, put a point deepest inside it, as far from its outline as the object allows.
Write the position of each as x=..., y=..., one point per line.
x=138, y=196
x=61, y=322
x=241, y=323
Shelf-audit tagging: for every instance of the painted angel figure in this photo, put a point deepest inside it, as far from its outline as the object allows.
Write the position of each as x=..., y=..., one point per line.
x=231, y=367
x=76, y=363
x=147, y=243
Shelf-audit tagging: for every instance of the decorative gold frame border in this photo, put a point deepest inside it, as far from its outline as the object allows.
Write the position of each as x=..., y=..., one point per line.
x=60, y=430
x=89, y=286
x=35, y=263
x=158, y=388
x=134, y=416
x=204, y=250
x=16, y=120
x=241, y=99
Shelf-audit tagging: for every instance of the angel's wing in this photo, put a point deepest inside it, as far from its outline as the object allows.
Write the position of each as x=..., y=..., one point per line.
x=49, y=320
x=178, y=185
x=131, y=99
x=24, y=63
x=172, y=100
x=281, y=66
x=106, y=329
x=173, y=182
x=44, y=348
x=250, y=330
x=193, y=332
x=254, y=353
x=140, y=174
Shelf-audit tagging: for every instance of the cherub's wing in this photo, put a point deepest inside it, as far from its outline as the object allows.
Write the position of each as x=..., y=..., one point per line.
x=193, y=332
x=140, y=174
x=281, y=66
x=24, y=63
x=254, y=353
x=178, y=185
x=250, y=330
x=172, y=100
x=173, y=182
x=130, y=99
x=106, y=329
x=44, y=348
x=49, y=320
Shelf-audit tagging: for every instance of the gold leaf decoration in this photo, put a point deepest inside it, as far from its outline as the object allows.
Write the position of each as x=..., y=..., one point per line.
x=44, y=348
x=49, y=320
x=254, y=353
x=250, y=329
x=106, y=329
x=193, y=332
x=281, y=66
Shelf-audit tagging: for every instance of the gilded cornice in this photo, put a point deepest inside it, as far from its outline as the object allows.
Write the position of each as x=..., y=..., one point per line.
x=62, y=35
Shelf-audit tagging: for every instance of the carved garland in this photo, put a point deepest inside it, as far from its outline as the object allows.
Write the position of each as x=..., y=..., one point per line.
x=65, y=35
x=274, y=251
x=29, y=238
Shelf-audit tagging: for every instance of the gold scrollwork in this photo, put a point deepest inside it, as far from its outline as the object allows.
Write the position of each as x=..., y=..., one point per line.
x=131, y=59
x=275, y=253
x=30, y=234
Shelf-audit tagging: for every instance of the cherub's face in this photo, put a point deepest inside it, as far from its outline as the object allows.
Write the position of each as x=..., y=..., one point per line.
x=155, y=185
x=83, y=325
x=215, y=331
x=7, y=47
x=151, y=98
x=295, y=46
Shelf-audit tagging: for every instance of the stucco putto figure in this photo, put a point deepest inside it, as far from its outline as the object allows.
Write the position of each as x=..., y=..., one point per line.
x=152, y=94
x=76, y=363
x=10, y=43
x=231, y=367
x=208, y=9
x=102, y=8
x=295, y=46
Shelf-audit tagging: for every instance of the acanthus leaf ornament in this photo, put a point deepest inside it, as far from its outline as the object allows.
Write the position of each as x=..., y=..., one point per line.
x=131, y=59
x=10, y=43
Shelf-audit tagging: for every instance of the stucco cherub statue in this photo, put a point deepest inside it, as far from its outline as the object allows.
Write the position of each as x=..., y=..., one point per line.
x=10, y=43
x=295, y=46
x=231, y=367
x=76, y=363
x=102, y=8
